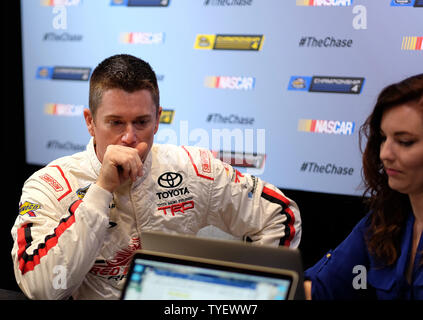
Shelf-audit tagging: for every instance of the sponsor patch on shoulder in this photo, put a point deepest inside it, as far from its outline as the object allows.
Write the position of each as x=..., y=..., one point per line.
x=52, y=182
x=82, y=191
x=28, y=208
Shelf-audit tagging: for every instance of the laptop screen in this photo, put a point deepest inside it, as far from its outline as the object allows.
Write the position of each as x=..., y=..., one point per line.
x=164, y=278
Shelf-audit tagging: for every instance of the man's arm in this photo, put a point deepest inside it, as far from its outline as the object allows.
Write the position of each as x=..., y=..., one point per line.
x=64, y=233
x=57, y=236
x=248, y=207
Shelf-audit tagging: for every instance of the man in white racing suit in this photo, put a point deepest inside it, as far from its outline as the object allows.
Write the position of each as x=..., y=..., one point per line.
x=80, y=217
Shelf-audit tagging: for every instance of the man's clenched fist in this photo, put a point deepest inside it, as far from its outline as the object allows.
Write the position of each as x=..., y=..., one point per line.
x=121, y=163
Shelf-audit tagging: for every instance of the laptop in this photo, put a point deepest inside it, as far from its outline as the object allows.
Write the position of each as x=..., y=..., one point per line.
x=227, y=250
x=166, y=276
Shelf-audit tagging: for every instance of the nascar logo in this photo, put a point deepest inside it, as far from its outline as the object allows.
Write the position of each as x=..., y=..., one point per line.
x=318, y=3
x=67, y=110
x=228, y=42
x=326, y=126
x=52, y=3
x=233, y=83
x=140, y=3
x=141, y=37
x=412, y=43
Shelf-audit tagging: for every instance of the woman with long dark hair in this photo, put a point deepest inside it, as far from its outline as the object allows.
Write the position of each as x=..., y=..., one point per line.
x=382, y=258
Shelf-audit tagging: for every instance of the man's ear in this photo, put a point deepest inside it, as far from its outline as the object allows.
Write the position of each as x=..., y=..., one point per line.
x=89, y=120
x=159, y=113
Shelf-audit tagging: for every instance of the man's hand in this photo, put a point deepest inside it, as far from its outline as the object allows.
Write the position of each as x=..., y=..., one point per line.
x=121, y=163
x=307, y=289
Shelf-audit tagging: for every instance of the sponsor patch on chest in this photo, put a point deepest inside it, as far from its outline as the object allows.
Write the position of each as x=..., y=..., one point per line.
x=172, y=193
x=174, y=198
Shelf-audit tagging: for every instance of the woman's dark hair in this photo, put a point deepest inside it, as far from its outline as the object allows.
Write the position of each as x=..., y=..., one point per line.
x=389, y=208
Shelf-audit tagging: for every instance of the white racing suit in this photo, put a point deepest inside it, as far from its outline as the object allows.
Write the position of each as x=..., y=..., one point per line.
x=73, y=238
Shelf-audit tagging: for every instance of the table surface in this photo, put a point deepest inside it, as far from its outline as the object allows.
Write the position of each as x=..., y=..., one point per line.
x=11, y=295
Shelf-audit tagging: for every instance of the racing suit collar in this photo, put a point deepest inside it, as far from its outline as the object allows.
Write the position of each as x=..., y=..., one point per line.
x=95, y=163
x=146, y=169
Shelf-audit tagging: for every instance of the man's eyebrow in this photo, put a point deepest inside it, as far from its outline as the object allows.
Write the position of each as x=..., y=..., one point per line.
x=115, y=116
x=112, y=116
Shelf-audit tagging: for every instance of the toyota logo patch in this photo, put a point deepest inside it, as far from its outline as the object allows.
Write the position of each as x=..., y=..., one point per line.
x=170, y=180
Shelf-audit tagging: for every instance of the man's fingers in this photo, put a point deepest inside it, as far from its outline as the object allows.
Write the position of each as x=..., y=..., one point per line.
x=134, y=161
x=136, y=164
x=126, y=170
x=142, y=150
x=128, y=161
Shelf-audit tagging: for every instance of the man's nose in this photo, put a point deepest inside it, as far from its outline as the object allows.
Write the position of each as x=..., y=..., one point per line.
x=129, y=136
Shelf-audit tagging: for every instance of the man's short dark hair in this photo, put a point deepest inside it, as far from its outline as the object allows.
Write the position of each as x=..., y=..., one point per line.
x=123, y=72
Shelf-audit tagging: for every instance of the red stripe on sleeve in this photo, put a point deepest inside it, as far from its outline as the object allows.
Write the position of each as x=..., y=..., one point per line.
x=74, y=206
x=290, y=226
x=287, y=211
x=28, y=262
x=21, y=244
x=276, y=195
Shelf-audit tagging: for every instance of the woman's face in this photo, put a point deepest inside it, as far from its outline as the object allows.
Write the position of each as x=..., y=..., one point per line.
x=401, y=150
